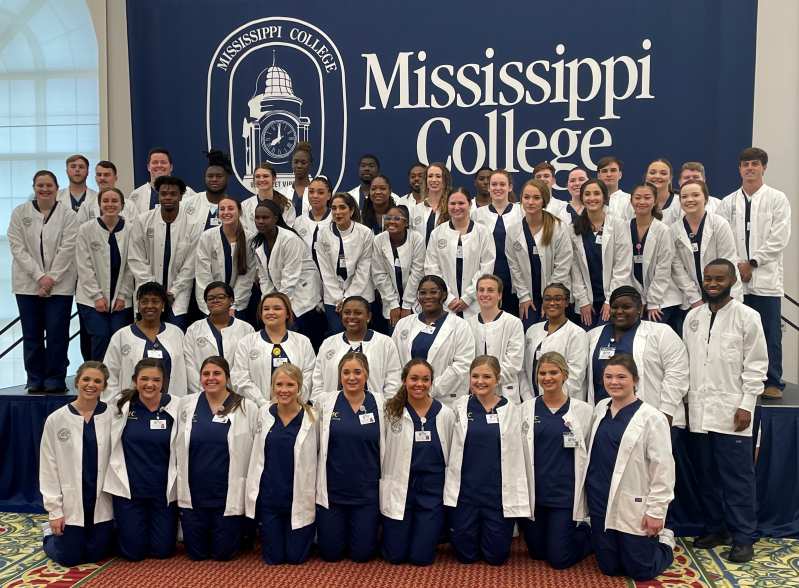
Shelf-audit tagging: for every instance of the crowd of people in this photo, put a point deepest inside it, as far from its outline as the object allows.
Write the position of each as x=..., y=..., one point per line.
x=362, y=370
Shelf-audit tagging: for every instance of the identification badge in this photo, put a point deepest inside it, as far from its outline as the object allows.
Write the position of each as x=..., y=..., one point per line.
x=535, y=250
x=215, y=222
x=155, y=353
x=397, y=262
x=695, y=247
x=220, y=418
x=429, y=329
x=638, y=259
x=538, y=354
x=278, y=361
x=492, y=418
x=423, y=436
x=607, y=352
x=598, y=239
x=569, y=440
x=459, y=252
x=748, y=226
x=342, y=262
x=366, y=418
x=158, y=425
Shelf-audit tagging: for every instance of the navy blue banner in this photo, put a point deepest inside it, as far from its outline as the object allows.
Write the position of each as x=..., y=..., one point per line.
x=505, y=84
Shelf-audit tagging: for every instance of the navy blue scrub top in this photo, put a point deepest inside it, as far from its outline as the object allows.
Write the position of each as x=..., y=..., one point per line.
x=535, y=265
x=277, y=479
x=481, y=472
x=554, y=463
x=606, y=340
x=353, y=455
x=218, y=335
x=89, y=463
x=426, y=478
x=115, y=258
x=638, y=251
x=593, y=255
x=209, y=457
x=603, y=457
x=147, y=449
x=572, y=212
x=421, y=344
x=696, y=246
x=151, y=349
x=501, y=268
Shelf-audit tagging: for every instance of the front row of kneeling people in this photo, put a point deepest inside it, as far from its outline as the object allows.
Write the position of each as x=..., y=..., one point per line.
x=424, y=464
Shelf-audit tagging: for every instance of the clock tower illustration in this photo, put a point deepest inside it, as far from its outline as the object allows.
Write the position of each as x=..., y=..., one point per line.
x=275, y=123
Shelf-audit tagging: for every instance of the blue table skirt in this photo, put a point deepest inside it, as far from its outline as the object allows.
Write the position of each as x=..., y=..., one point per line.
x=22, y=421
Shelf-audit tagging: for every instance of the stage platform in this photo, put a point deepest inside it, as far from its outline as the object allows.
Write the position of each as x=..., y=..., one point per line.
x=22, y=419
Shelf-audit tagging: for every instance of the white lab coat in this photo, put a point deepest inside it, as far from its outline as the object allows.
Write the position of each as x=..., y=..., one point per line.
x=643, y=479
x=411, y=260
x=384, y=365
x=396, y=467
x=209, y=266
x=407, y=200
x=28, y=235
x=571, y=342
x=420, y=213
x=88, y=209
x=138, y=201
x=290, y=270
x=479, y=254
x=60, y=466
x=483, y=215
x=94, y=269
x=717, y=242
x=578, y=420
x=199, y=343
x=356, y=193
x=515, y=499
x=248, y=214
x=728, y=365
x=358, y=240
x=197, y=208
x=325, y=410
x=252, y=365
x=619, y=205
x=658, y=290
x=557, y=207
x=661, y=359
x=673, y=212
x=303, y=501
x=451, y=354
x=769, y=236
x=504, y=339
x=556, y=259
x=146, y=254
x=617, y=260
x=306, y=227
x=117, y=482
x=239, y=440
x=126, y=349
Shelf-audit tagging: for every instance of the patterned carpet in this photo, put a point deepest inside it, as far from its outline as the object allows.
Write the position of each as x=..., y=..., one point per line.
x=23, y=563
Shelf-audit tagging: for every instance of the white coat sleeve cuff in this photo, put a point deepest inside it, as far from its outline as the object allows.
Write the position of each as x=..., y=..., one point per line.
x=748, y=403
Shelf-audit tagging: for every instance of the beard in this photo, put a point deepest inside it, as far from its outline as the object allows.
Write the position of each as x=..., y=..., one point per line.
x=723, y=295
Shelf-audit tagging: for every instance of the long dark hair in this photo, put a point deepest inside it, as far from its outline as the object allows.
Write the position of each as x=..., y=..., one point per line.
x=258, y=239
x=241, y=239
x=351, y=204
x=582, y=224
x=235, y=399
x=131, y=394
x=396, y=404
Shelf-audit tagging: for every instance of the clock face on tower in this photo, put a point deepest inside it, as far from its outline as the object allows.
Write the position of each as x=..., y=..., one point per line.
x=279, y=137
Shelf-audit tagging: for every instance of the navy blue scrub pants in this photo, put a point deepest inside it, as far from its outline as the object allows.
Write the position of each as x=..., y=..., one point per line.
x=181, y=321
x=280, y=544
x=334, y=325
x=415, y=537
x=99, y=326
x=533, y=317
x=312, y=324
x=596, y=317
x=80, y=545
x=769, y=308
x=727, y=484
x=685, y=515
x=480, y=532
x=45, y=339
x=208, y=534
x=347, y=528
x=553, y=536
x=146, y=527
x=622, y=554
x=672, y=316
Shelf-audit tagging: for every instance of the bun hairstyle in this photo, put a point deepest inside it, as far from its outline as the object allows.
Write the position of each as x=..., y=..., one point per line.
x=305, y=147
x=656, y=212
x=219, y=159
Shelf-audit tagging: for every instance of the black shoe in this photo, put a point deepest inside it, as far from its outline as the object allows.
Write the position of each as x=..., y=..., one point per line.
x=55, y=391
x=712, y=540
x=34, y=391
x=740, y=554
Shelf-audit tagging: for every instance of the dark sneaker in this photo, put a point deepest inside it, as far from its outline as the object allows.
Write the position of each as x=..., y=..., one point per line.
x=712, y=540
x=740, y=554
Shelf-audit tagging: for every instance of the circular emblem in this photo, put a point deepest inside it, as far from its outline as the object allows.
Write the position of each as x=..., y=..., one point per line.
x=27, y=221
x=190, y=209
x=404, y=334
x=254, y=353
x=417, y=220
x=396, y=426
x=694, y=325
x=184, y=415
x=302, y=231
x=259, y=427
x=457, y=416
x=276, y=351
x=517, y=246
x=525, y=427
x=214, y=254
x=330, y=353
x=150, y=232
x=324, y=245
x=125, y=349
x=442, y=243
x=202, y=341
x=96, y=246
x=64, y=434
x=279, y=136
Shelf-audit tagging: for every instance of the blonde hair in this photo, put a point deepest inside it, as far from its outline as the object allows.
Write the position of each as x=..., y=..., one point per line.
x=549, y=219
x=293, y=372
x=556, y=359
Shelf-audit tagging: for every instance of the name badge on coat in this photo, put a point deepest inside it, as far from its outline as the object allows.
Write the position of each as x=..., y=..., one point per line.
x=155, y=353
x=569, y=440
x=158, y=425
x=366, y=418
x=220, y=418
x=607, y=352
x=492, y=418
x=695, y=247
x=423, y=436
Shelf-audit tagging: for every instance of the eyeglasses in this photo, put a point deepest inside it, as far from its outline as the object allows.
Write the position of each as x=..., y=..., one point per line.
x=393, y=218
x=217, y=298
x=554, y=298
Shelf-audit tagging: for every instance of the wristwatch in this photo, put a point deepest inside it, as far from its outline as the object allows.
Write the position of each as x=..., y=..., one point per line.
x=753, y=263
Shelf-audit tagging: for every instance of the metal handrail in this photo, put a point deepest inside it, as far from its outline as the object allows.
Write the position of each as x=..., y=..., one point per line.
x=789, y=323
x=8, y=349
x=787, y=297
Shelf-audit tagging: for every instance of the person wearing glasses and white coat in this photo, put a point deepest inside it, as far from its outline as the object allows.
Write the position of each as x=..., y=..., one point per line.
x=498, y=333
x=442, y=338
x=486, y=480
x=556, y=428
